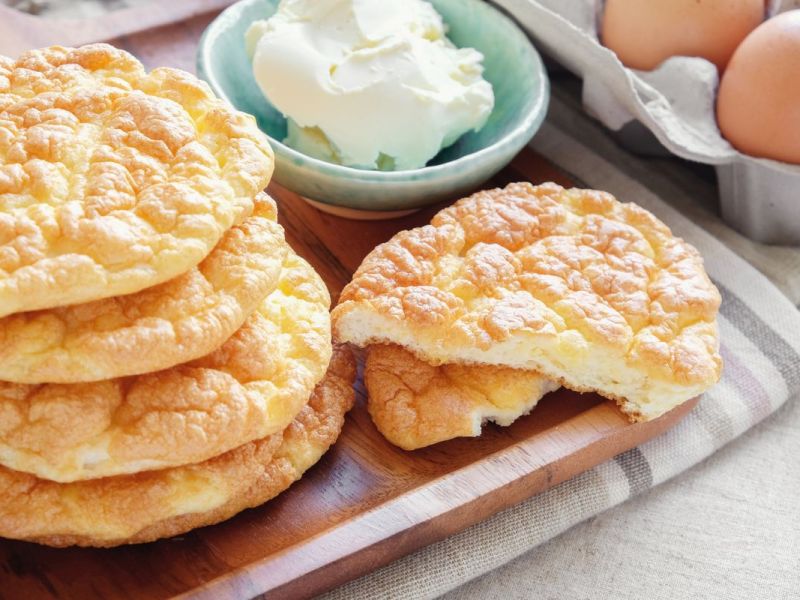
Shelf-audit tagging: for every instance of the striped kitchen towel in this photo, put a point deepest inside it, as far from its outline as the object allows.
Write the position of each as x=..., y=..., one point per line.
x=760, y=333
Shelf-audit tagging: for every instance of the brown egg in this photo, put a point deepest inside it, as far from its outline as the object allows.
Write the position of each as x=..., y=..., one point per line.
x=644, y=33
x=758, y=106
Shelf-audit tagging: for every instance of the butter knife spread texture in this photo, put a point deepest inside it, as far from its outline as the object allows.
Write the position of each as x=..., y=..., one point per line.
x=367, y=83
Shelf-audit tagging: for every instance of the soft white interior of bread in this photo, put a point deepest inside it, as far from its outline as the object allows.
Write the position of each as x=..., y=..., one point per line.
x=567, y=358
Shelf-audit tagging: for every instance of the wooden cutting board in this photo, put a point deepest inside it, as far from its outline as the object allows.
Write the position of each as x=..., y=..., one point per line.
x=366, y=503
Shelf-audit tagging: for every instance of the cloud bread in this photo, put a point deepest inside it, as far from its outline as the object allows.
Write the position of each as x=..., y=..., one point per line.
x=113, y=179
x=251, y=387
x=147, y=506
x=414, y=404
x=156, y=328
x=590, y=292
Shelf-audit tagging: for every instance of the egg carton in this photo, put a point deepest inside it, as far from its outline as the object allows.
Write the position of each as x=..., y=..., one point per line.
x=672, y=108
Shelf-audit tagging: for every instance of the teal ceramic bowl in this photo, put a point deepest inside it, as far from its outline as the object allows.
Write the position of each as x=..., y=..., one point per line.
x=511, y=64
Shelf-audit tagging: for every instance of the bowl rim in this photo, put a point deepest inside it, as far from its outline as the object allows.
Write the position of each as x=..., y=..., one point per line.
x=517, y=137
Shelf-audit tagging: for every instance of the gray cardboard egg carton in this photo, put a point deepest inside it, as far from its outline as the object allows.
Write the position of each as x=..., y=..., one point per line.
x=672, y=108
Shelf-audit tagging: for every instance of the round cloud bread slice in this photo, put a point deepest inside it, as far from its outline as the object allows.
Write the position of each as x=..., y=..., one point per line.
x=249, y=388
x=147, y=506
x=590, y=292
x=113, y=179
x=414, y=404
x=156, y=328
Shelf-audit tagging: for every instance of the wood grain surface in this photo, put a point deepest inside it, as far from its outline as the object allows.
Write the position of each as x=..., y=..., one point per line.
x=366, y=502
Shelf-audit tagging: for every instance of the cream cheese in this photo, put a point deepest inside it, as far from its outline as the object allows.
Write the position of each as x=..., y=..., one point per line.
x=368, y=83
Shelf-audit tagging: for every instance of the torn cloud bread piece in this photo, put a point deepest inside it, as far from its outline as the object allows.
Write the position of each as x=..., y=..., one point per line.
x=146, y=506
x=113, y=179
x=250, y=387
x=593, y=293
x=415, y=404
x=154, y=329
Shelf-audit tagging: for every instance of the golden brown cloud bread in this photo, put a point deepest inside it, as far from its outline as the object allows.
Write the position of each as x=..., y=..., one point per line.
x=590, y=292
x=159, y=327
x=414, y=404
x=251, y=387
x=113, y=179
x=147, y=506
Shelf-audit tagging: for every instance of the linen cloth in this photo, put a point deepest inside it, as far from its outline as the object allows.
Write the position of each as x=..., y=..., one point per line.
x=727, y=528
x=661, y=550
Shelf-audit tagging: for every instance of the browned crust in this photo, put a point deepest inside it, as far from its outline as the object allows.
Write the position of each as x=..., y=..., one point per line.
x=415, y=404
x=154, y=329
x=113, y=179
x=566, y=267
x=43, y=512
x=251, y=386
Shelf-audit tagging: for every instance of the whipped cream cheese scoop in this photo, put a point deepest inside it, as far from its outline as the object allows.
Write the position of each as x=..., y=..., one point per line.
x=371, y=84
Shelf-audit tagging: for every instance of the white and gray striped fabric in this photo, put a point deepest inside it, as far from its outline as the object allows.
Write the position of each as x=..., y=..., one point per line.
x=760, y=333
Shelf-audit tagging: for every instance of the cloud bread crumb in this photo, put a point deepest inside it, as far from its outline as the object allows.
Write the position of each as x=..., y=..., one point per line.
x=113, y=179
x=250, y=387
x=593, y=293
x=147, y=506
x=159, y=327
x=414, y=404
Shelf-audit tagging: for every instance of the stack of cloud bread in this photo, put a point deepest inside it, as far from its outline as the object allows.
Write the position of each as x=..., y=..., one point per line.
x=512, y=292
x=165, y=357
